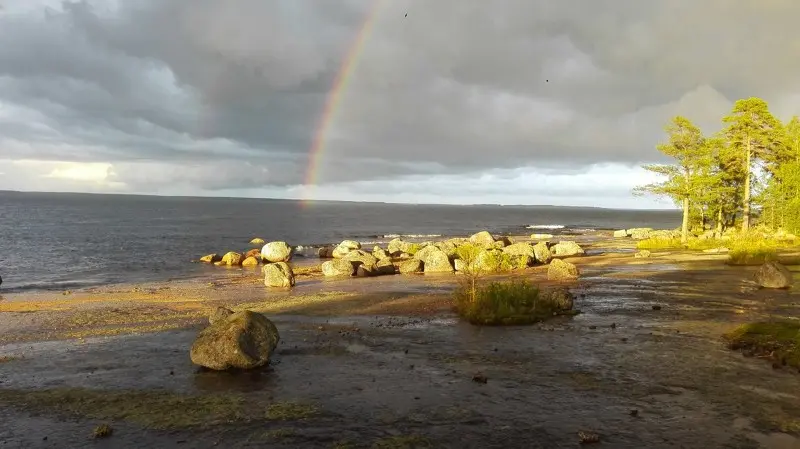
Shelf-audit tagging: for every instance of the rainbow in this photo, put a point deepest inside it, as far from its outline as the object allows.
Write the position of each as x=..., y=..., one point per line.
x=334, y=99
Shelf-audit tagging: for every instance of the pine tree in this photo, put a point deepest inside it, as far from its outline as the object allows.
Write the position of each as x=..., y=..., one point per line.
x=687, y=179
x=752, y=135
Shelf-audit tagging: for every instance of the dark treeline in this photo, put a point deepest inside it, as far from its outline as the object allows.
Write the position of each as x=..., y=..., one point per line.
x=750, y=169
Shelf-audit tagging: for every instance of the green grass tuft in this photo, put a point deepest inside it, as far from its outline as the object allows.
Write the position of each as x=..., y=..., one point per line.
x=778, y=340
x=509, y=303
x=290, y=411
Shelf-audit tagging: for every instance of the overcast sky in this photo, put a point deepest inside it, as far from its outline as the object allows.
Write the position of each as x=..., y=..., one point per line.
x=462, y=101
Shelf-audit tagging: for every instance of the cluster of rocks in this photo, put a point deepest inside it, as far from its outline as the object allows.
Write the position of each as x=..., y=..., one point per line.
x=273, y=255
x=647, y=233
x=349, y=258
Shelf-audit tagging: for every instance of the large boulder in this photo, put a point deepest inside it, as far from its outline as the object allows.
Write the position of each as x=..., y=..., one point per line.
x=278, y=274
x=448, y=247
x=243, y=340
x=562, y=298
x=639, y=233
x=396, y=246
x=423, y=253
x=211, y=258
x=483, y=238
x=380, y=254
x=232, y=258
x=361, y=257
x=774, y=275
x=411, y=266
x=365, y=263
x=219, y=314
x=250, y=262
x=541, y=252
x=326, y=252
x=560, y=270
x=437, y=262
x=258, y=241
x=255, y=252
x=567, y=249
x=385, y=266
x=345, y=248
x=520, y=249
x=337, y=268
x=621, y=233
x=277, y=252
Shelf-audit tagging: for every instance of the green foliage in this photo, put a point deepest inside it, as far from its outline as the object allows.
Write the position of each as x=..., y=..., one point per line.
x=691, y=176
x=779, y=340
x=753, y=163
x=468, y=252
x=478, y=260
x=508, y=303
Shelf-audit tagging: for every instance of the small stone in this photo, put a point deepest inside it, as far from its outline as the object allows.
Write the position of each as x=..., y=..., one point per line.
x=634, y=412
x=172, y=373
x=656, y=307
x=613, y=325
x=480, y=378
x=592, y=327
x=103, y=431
x=588, y=437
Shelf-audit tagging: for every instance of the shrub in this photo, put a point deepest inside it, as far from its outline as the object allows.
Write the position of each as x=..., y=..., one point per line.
x=659, y=243
x=509, y=303
x=779, y=340
x=752, y=249
x=695, y=244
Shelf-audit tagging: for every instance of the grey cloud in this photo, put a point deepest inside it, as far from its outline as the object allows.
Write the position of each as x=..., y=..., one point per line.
x=458, y=86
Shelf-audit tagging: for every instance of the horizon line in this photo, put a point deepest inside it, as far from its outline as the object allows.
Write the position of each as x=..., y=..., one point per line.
x=2, y=191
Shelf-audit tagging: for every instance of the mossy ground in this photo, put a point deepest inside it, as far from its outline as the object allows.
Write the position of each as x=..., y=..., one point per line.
x=402, y=442
x=779, y=340
x=155, y=409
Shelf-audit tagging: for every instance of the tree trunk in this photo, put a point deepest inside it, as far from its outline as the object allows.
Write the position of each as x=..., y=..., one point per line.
x=746, y=201
x=685, y=226
x=719, y=221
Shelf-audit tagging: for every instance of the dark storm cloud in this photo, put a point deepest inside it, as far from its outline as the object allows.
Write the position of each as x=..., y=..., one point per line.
x=226, y=95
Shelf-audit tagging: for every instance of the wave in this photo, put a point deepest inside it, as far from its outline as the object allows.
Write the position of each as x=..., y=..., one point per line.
x=546, y=227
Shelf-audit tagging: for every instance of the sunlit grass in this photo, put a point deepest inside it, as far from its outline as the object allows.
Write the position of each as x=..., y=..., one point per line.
x=509, y=303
